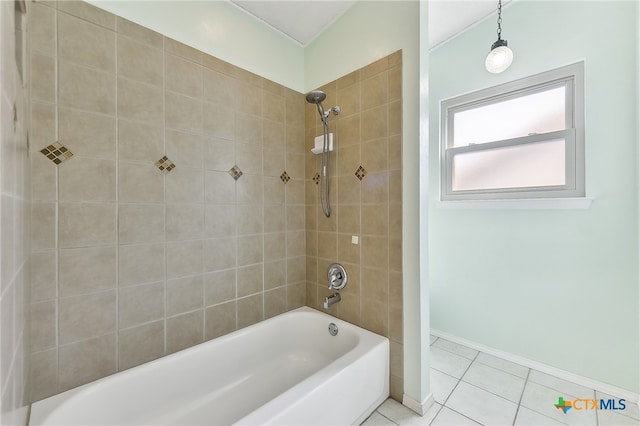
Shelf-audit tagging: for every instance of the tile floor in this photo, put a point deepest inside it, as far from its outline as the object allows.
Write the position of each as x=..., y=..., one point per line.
x=472, y=388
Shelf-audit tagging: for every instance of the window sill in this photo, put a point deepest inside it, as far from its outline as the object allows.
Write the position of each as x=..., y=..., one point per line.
x=582, y=203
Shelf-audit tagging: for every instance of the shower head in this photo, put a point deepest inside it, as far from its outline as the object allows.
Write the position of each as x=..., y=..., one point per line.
x=316, y=96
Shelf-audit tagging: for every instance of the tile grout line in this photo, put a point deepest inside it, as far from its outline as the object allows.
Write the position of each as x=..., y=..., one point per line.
x=526, y=380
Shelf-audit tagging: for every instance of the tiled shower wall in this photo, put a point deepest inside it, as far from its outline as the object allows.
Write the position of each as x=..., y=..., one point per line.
x=14, y=205
x=366, y=189
x=168, y=192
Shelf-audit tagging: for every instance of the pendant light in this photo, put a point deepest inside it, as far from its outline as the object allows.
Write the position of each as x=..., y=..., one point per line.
x=500, y=57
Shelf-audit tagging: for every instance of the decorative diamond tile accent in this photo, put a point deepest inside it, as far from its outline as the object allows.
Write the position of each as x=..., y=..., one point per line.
x=165, y=165
x=360, y=173
x=235, y=172
x=316, y=178
x=285, y=177
x=57, y=153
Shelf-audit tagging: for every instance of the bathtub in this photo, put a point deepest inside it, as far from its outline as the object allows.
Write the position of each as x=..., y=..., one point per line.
x=287, y=370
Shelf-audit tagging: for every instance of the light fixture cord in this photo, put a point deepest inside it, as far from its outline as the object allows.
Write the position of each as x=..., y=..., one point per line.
x=499, y=19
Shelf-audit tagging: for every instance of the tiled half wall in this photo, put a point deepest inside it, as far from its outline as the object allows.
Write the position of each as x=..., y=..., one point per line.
x=173, y=198
x=366, y=190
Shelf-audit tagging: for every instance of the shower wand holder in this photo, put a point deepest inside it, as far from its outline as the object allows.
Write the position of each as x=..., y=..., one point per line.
x=319, y=144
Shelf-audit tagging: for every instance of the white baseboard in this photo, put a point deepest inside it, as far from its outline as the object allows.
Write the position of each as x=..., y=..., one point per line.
x=419, y=407
x=544, y=368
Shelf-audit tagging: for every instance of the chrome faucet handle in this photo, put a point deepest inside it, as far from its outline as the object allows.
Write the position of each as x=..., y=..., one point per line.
x=337, y=277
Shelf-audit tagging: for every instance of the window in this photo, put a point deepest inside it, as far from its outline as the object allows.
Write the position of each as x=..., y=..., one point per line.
x=523, y=139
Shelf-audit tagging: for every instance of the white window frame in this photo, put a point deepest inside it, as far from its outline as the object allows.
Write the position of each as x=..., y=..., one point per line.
x=572, y=78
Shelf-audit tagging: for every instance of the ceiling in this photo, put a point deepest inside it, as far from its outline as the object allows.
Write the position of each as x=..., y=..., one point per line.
x=304, y=20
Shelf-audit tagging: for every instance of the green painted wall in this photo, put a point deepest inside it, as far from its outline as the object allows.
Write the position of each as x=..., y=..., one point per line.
x=555, y=286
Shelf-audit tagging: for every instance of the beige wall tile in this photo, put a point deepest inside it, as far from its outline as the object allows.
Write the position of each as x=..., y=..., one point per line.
x=86, y=88
x=87, y=270
x=183, y=76
x=43, y=275
x=327, y=245
x=140, y=344
x=43, y=125
x=348, y=160
x=43, y=374
x=185, y=149
x=248, y=128
x=296, y=243
x=86, y=44
x=349, y=308
x=275, y=246
x=219, y=154
x=43, y=78
x=141, y=223
x=395, y=152
x=44, y=179
x=375, y=155
x=250, y=310
x=395, y=324
x=395, y=254
x=220, y=220
x=296, y=270
x=88, y=12
x=375, y=219
x=349, y=99
x=347, y=251
x=250, y=219
x=375, y=123
x=141, y=263
x=185, y=330
x=375, y=188
x=139, y=33
x=349, y=219
x=86, y=224
x=273, y=135
x=140, y=304
x=275, y=274
x=295, y=191
x=348, y=189
x=183, y=113
x=274, y=190
x=220, y=320
x=396, y=388
x=274, y=217
x=247, y=102
x=348, y=130
x=249, y=189
x=43, y=226
x=219, y=88
x=375, y=90
x=273, y=106
x=396, y=359
x=85, y=361
x=375, y=252
x=375, y=284
x=184, y=221
x=375, y=317
x=140, y=183
x=395, y=83
x=184, y=295
x=296, y=296
x=220, y=187
x=87, y=134
x=182, y=50
x=250, y=280
x=140, y=141
x=43, y=332
x=86, y=316
x=395, y=118
x=184, y=258
x=275, y=302
x=249, y=158
x=219, y=287
x=218, y=122
x=138, y=61
x=87, y=179
x=139, y=101
x=42, y=29
x=219, y=254
x=250, y=249
x=295, y=217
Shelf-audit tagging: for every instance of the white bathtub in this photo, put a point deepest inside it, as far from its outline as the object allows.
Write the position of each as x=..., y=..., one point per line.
x=287, y=370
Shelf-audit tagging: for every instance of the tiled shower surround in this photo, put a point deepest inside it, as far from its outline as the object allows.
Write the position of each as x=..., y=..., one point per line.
x=176, y=210
x=366, y=189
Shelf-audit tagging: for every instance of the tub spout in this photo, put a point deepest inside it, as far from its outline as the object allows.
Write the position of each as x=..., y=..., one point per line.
x=331, y=300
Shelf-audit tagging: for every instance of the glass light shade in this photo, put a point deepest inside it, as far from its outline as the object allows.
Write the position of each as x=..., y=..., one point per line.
x=499, y=59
